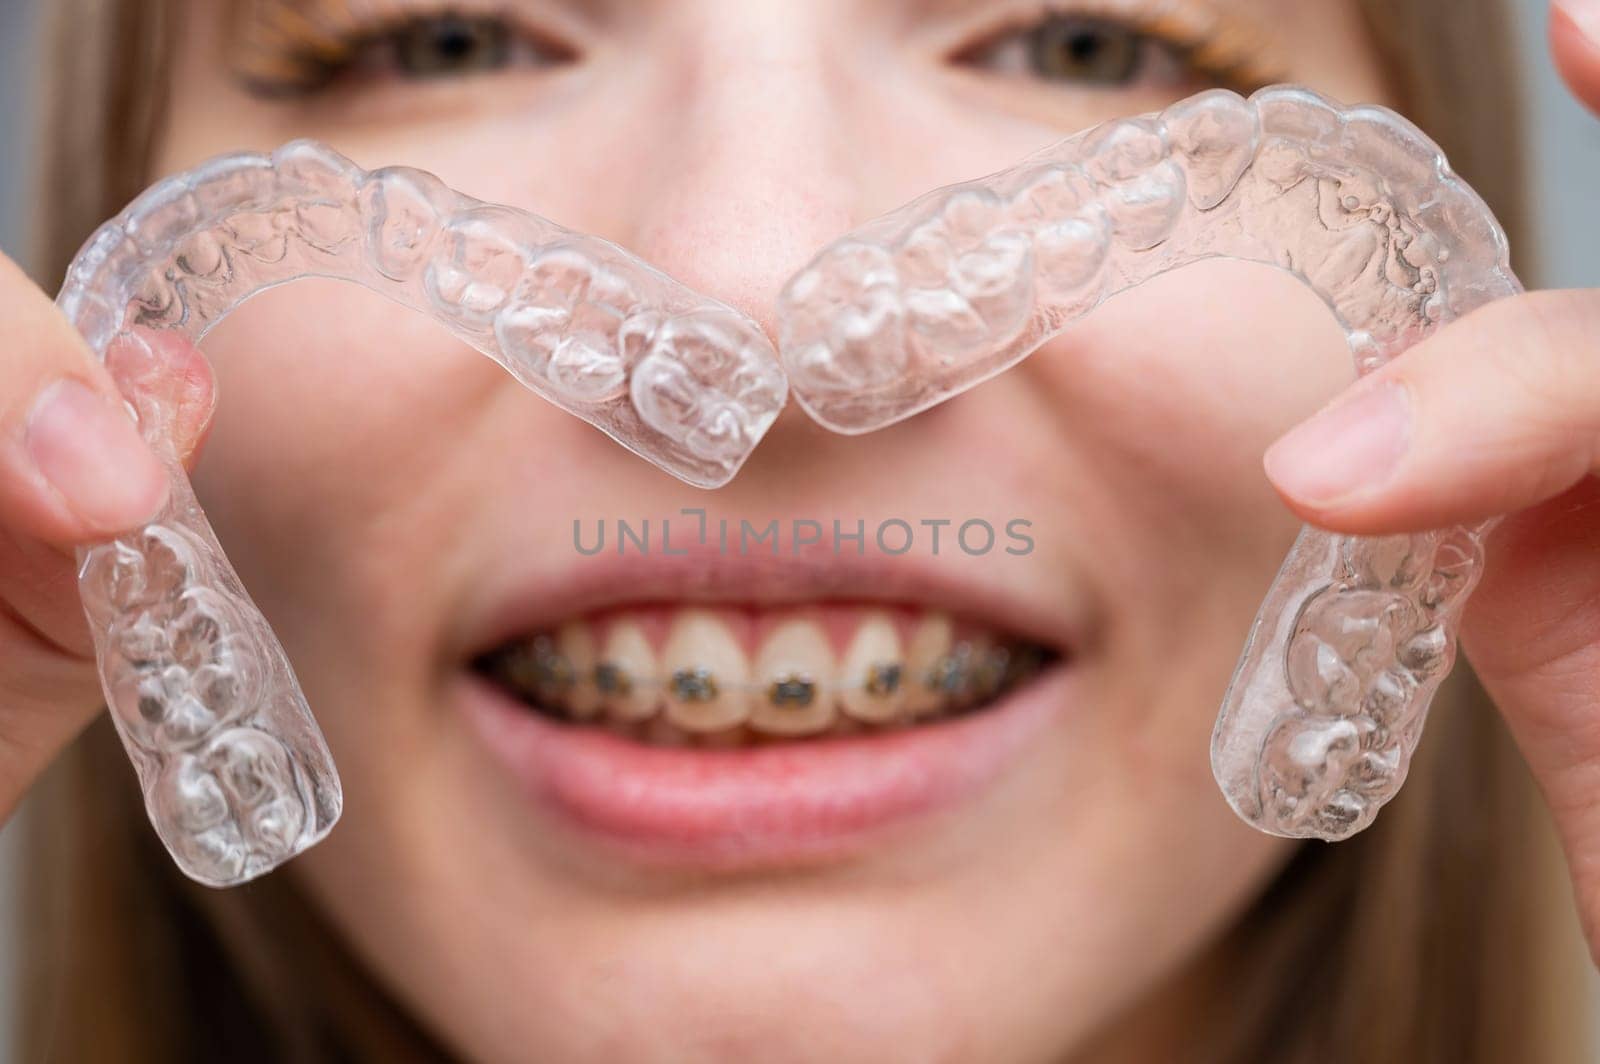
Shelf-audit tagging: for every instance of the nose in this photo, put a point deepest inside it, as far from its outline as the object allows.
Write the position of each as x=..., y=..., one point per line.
x=750, y=171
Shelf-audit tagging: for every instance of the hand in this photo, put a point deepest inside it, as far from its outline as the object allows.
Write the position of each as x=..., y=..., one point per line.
x=73, y=469
x=1497, y=413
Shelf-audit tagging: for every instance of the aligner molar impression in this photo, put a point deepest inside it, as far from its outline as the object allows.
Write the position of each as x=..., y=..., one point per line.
x=235, y=773
x=1325, y=708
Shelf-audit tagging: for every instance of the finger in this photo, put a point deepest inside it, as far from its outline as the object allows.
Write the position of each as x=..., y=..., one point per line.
x=38, y=580
x=73, y=466
x=1532, y=633
x=164, y=370
x=1575, y=46
x=46, y=698
x=1492, y=414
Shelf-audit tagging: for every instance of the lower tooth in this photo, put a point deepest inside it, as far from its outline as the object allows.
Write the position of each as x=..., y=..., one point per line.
x=706, y=675
x=723, y=740
x=844, y=725
x=658, y=731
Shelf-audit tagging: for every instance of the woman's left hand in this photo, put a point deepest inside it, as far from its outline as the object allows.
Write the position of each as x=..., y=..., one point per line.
x=1497, y=413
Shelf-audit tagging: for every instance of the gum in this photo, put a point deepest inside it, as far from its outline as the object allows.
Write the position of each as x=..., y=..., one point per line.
x=236, y=775
x=1331, y=692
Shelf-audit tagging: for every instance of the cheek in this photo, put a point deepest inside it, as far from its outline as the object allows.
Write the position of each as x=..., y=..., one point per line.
x=1171, y=393
x=1194, y=373
x=340, y=464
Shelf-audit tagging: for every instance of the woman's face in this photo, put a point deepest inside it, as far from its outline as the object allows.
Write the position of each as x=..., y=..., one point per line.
x=1000, y=883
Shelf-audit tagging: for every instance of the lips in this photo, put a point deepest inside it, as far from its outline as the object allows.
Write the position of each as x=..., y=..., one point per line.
x=757, y=806
x=716, y=710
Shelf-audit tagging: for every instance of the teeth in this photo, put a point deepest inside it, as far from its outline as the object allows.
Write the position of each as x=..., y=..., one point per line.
x=701, y=690
x=553, y=676
x=575, y=644
x=706, y=674
x=873, y=678
x=951, y=676
x=989, y=669
x=624, y=673
x=976, y=671
x=659, y=731
x=794, y=664
x=929, y=647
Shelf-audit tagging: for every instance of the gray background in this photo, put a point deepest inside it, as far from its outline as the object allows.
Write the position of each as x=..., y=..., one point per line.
x=1566, y=167
x=16, y=75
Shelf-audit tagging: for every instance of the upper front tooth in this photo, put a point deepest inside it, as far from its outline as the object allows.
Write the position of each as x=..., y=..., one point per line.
x=794, y=663
x=575, y=643
x=873, y=679
x=706, y=674
x=624, y=675
x=930, y=645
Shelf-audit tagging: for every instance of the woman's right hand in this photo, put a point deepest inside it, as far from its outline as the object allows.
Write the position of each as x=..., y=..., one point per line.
x=73, y=470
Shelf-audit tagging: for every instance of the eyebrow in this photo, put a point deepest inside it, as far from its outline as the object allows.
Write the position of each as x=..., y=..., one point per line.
x=350, y=12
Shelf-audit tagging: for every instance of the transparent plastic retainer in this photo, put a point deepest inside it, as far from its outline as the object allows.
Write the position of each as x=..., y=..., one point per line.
x=235, y=773
x=1328, y=700
x=1325, y=708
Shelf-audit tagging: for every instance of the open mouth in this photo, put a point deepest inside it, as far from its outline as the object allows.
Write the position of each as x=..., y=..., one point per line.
x=712, y=712
x=736, y=676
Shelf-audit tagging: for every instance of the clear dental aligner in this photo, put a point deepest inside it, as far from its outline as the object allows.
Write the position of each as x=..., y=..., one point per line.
x=1326, y=705
x=235, y=773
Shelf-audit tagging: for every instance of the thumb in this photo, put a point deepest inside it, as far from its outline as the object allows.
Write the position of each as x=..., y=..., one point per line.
x=1575, y=45
x=1496, y=412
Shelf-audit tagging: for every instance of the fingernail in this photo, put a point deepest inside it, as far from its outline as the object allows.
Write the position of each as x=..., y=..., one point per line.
x=1584, y=14
x=90, y=451
x=1348, y=449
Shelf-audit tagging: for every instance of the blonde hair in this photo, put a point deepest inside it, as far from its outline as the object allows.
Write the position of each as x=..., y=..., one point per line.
x=1441, y=934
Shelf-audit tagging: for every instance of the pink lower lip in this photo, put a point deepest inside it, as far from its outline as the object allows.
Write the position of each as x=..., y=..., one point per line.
x=755, y=806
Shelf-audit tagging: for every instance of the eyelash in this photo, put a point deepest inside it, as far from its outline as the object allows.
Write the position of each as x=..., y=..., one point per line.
x=310, y=59
x=1193, y=46
x=307, y=60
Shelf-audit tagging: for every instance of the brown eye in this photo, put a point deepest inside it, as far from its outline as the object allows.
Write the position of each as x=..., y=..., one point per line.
x=416, y=46
x=436, y=45
x=1084, y=49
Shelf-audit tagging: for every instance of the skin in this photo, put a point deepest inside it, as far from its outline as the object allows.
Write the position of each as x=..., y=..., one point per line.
x=767, y=130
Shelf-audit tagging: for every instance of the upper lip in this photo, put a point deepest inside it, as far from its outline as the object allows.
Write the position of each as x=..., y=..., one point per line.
x=542, y=600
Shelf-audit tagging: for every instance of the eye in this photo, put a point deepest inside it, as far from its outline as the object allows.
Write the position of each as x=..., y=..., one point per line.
x=432, y=45
x=1084, y=50
x=422, y=45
